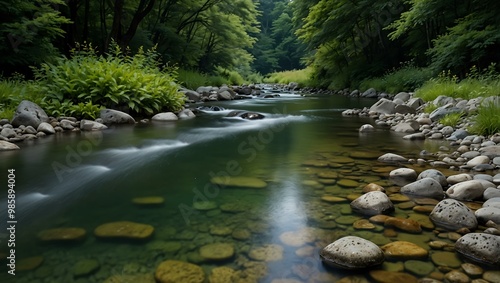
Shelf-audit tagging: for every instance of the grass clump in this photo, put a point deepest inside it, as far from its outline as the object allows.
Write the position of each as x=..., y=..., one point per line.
x=486, y=122
x=87, y=82
x=13, y=91
x=451, y=119
x=407, y=78
x=302, y=77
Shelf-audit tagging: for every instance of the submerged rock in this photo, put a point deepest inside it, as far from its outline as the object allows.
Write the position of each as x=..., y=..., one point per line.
x=372, y=203
x=240, y=181
x=173, y=271
x=246, y=115
x=270, y=252
x=124, y=229
x=5, y=145
x=217, y=251
x=62, y=234
x=352, y=252
x=404, y=250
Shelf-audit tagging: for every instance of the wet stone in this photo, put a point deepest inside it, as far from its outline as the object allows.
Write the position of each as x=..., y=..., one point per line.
x=171, y=271
x=148, y=201
x=346, y=219
x=419, y=268
x=472, y=269
x=383, y=276
x=363, y=224
x=217, y=251
x=85, y=267
x=447, y=259
x=492, y=276
x=62, y=234
x=456, y=276
x=29, y=263
x=124, y=229
x=205, y=205
x=404, y=250
x=271, y=252
x=333, y=199
x=347, y=183
x=241, y=234
x=352, y=252
x=371, y=187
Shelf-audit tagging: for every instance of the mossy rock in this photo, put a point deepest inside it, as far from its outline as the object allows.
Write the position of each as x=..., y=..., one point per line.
x=124, y=229
x=174, y=271
x=217, y=252
x=62, y=234
x=240, y=181
x=85, y=267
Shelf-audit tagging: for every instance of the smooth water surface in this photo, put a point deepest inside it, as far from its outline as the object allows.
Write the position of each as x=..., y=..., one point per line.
x=88, y=179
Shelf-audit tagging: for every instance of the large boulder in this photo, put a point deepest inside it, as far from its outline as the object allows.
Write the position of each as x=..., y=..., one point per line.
x=434, y=174
x=451, y=214
x=110, y=116
x=480, y=247
x=372, y=203
x=352, y=252
x=29, y=114
x=5, y=145
x=443, y=111
x=246, y=115
x=384, y=106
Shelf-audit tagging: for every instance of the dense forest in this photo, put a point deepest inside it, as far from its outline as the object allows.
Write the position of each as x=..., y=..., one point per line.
x=342, y=41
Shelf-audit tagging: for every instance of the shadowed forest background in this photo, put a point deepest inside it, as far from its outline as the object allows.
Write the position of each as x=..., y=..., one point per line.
x=342, y=41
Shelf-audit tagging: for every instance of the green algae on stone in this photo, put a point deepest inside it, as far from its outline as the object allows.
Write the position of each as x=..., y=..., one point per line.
x=239, y=181
x=447, y=259
x=419, y=268
x=85, y=267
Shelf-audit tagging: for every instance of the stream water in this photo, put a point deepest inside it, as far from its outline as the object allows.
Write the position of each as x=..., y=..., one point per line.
x=87, y=179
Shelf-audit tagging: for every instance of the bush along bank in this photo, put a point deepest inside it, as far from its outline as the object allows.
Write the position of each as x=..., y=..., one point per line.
x=457, y=189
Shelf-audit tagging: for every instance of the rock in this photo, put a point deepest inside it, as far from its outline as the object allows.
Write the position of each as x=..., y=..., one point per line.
x=392, y=158
x=472, y=269
x=488, y=213
x=62, y=234
x=87, y=125
x=239, y=181
x=366, y=128
x=456, y=276
x=66, y=125
x=419, y=268
x=372, y=187
x=490, y=193
x=451, y=214
x=407, y=225
x=267, y=253
x=222, y=274
x=85, y=267
x=164, y=246
x=372, y=203
x=459, y=178
x=480, y=247
x=490, y=151
x=416, y=136
x=434, y=174
x=29, y=263
x=205, y=205
x=402, y=176
x=224, y=95
x=110, y=116
x=491, y=276
x=404, y=250
x=382, y=276
x=458, y=135
x=5, y=145
x=217, y=252
x=46, y=128
x=241, y=234
x=415, y=103
x=404, y=96
x=186, y=114
x=8, y=133
x=29, y=130
x=369, y=93
x=173, y=271
x=493, y=202
x=403, y=128
x=468, y=190
x=384, y=106
x=165, y=117
x=479, y=160
x=124, y=229
x=246, y=115
x=447, y=259
x=297, y=238
x=191, y=95
x=352, y=252
x=29, y=114
x=220, y=230
x=425, y=187
x=443, y=111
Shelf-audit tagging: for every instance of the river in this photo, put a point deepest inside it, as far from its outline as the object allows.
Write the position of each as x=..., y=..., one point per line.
x=88, y=179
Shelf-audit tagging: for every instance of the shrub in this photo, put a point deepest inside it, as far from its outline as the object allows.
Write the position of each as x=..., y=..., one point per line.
x=13, y=91
x=86, y=82
x=302, y=77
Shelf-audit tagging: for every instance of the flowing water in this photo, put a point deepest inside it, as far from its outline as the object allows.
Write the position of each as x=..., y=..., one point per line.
x=88, y=179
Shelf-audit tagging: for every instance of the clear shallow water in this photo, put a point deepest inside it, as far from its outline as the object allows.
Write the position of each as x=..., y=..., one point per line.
x=88, y=179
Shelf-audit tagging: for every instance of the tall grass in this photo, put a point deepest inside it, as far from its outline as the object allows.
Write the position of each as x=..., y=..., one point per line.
x=471, y=87
x=486, y=122
x=13, y=91
x=302, y=77
x=407, y=78
x=451, y=119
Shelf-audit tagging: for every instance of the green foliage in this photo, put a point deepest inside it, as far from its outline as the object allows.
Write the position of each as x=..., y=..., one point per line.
x=449, y=85
x=28, y=30
x=486, y=122
x=194, y=79
x=407, y=78
x=451, y=119
x=430, y=107
x=254, y=78
x=13, y=91
x=86, y=81
x=302, y=77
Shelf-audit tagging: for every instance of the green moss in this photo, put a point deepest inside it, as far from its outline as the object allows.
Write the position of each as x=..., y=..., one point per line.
x=451, y=119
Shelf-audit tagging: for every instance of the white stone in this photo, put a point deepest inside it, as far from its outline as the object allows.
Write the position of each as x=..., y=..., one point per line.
x=352, y=252
x=453, y=215
x=372, y=203
x=166, y=116
x=468, y=190
x=426, y=187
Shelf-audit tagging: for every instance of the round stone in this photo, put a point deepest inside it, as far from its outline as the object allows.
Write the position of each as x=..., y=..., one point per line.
x=29, y=263
x=407, y=225
x=472, y=269
x=383, y=276
x=372, y=203
x=492, y=276
x=172, y=271
x=220, y=230
x=222, y=274
x=333, y=199
x=271, y=252
x=363, y=224
x=402, y=176
x=297, y=238
x=85, y=267
x=204, y=205
x=447, y=259
x=372, y=187
x=62, y=234
x=148, y=201
x=419, y=268
x=348, y=183
x=404, y=250
x=239, y=181
x=217, y=252
x=124, y=229
x=456, y=276
x=328, y=175
x=352, y=252
x=241, y=234
x=453, y=215
x=480, y=247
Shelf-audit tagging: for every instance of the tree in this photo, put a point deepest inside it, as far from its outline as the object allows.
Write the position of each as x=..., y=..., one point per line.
x=29, y=29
